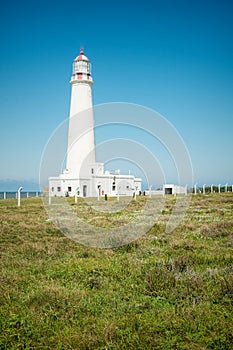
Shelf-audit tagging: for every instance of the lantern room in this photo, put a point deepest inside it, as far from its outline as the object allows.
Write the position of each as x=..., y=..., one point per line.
x=81, y=68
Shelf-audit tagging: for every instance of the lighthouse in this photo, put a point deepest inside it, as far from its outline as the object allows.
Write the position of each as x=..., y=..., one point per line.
x=81, y=143
x=83, y=175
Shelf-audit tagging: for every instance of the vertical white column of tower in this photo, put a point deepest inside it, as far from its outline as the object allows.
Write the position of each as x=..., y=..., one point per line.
x=81, y=143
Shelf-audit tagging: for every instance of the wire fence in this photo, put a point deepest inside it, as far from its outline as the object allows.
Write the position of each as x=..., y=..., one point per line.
x=205, y=189
x=30, y=194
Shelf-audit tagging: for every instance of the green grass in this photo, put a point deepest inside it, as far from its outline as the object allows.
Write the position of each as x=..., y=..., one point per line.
x=163, y=291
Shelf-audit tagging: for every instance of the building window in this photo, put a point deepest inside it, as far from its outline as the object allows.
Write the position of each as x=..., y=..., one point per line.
x=127, y=187
x=69, y=188
x=113, y=186
x=92, y=170
x=59, y=189
x=52, y=189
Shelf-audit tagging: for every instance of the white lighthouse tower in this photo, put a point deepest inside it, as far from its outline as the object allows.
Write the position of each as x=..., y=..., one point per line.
x=81, y=143
x=83, y=176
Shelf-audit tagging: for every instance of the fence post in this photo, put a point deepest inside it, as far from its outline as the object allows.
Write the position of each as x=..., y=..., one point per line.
x=204, y=189
x=19, y=195
x=4, y=195
x=195, y=189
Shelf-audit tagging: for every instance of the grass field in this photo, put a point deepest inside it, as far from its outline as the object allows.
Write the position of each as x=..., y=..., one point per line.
x=163, y=291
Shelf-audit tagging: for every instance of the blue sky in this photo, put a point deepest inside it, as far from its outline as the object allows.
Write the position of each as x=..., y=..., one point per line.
x=172, y=56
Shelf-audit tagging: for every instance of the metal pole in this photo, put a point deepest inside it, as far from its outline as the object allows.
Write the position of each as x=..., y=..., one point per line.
x=4, y=195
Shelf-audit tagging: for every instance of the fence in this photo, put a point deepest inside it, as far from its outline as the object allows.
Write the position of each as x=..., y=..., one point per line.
x=205, y=189
x=212, y=189
x=31, y=194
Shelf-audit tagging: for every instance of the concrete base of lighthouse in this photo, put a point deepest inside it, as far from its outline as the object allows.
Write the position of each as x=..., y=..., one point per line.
x=96, y=185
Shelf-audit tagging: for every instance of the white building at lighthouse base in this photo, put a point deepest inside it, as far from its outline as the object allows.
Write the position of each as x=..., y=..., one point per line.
x=98, y=184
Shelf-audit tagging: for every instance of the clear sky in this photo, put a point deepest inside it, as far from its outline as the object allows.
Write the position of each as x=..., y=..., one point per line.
x=174, y=56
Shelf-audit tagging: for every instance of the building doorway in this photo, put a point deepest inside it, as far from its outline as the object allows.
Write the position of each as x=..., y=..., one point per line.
x=168, y=190
x=84, y=190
